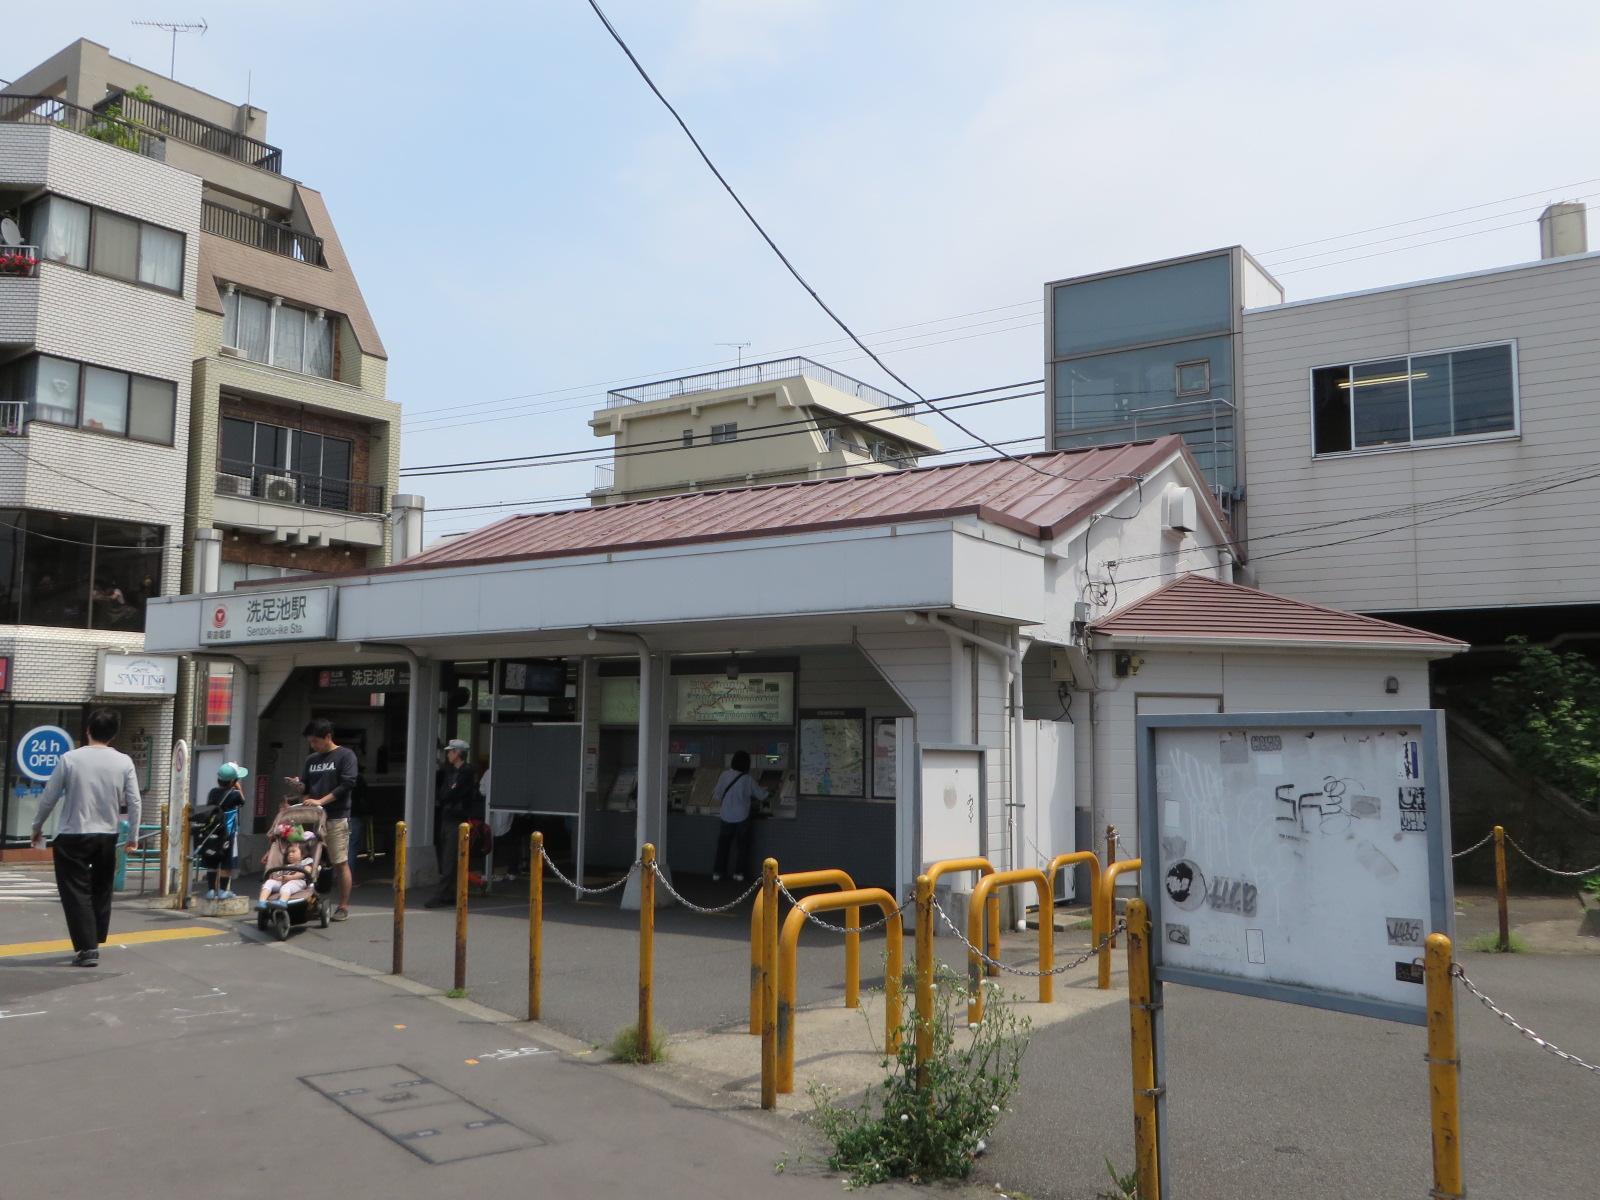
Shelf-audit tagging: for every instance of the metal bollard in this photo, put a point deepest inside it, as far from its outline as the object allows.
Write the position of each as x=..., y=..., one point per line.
x=463, y=846
x=987, y=887
x=769, y=984
x=1108, y=889
x=535, y=919
x=399, y=936
x=647, y=949
x=852, y=941
x=1141, y=1019
x=1444, y=1069
x=924, y=977
x=183, y=857
x=1500, y=888
x=163, y=883
x=1111, y=857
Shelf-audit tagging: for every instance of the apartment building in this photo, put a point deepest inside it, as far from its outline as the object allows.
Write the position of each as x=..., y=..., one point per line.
x=99, y=273
x=768, y=422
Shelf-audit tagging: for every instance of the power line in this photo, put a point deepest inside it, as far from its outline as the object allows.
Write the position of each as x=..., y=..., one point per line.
x=782, y=257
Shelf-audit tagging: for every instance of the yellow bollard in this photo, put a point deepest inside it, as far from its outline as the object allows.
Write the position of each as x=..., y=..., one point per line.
x=164, y=884
x=788, y=947
x=463, y=846
x=1108, y=902
x=1141, y=1019
x=1444, y=1069
x=535, y=919
x=983, y=866
x=987, y=886
x=399, y=938
x=1504, y=944
x=647, y=948
x=924, y=978
x=183, y=856
x=1098, y=922
x=852, y=941
x=767, y=899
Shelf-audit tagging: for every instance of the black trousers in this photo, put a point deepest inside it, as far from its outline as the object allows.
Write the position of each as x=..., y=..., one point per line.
x=86, y=866
x=446, y=848
x=733, y=843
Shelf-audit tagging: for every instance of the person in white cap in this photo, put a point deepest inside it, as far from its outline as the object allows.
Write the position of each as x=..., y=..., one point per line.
x=455, y=800
x=221, y=850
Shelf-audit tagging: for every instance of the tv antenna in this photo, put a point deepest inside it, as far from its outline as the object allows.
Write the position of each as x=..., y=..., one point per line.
x=738, y=349
x=175, y=28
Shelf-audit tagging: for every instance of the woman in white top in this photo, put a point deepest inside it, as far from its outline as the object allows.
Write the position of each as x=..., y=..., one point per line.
x=737, y=793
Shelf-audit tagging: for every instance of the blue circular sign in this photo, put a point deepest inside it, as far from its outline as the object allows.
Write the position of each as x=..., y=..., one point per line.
x=40, y=749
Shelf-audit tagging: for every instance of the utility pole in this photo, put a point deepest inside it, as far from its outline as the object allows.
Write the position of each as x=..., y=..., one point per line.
x=175, y=28
x=738, y=349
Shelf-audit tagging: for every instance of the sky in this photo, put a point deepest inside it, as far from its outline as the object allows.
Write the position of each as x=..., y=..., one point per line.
x=529, y=227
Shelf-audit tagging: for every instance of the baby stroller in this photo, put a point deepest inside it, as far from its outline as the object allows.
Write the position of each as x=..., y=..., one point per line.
x=293, y=825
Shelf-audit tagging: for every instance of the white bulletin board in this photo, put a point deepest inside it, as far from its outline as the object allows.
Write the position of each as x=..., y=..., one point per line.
x=1297, y=856
x=952, y=803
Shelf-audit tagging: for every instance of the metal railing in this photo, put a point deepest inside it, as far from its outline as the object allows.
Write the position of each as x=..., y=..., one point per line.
x=50, y=110
x=605, y=477
x=19, y=261
x=281, y=485
x=1206, y=425
x=835, y=439
x=752, y=374
x=251, y=230
x=13, y=418
x=191, y=129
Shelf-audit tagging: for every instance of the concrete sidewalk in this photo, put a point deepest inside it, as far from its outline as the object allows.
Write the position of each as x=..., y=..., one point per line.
x=210, y=1064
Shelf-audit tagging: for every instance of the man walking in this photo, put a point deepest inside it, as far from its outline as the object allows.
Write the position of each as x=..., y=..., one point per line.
x=456, y=800
x=330, y=777
x=94, y=785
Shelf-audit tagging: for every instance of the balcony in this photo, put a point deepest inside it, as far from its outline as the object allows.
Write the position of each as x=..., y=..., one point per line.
x=605, y=478
x=280, y=485
x=261, y=233
x=48, y=110
x=13, y=418
x=150, y=115
x=753, y=374
x=19, y=262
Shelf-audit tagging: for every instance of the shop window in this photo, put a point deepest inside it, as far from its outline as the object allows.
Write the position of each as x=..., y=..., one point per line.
x=78, y=572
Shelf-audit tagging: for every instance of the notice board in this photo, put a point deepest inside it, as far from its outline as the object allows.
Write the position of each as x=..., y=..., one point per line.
x=833, y=752
x=537, y=768
x=952, y=803
x=1297, y=856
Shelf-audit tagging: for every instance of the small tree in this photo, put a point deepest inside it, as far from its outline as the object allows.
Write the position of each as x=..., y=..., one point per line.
x=1547, y=712
x=115, y=129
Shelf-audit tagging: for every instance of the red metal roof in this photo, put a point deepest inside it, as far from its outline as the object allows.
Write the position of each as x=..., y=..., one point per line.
x=998, y=490
x=1197, y=608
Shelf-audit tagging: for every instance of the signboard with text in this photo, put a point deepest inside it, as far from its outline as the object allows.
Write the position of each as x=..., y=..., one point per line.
x=269, y=615
x=389, y=677
x=137, y=674
x=766, y=699
x=40, y=749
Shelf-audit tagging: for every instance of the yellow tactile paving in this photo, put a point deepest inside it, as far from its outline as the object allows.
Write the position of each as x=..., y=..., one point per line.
x=18, y=949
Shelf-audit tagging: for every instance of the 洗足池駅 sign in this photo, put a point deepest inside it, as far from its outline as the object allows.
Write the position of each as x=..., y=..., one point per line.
x=269, y=615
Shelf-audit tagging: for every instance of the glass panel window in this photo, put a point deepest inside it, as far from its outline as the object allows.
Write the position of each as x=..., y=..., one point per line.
x=151, y=406
x=725, y=433
x=1380, y=398
x=319, y=346
x=238, y=445
x=1160, y=304
x=688, y=437
x=289, y=338
x=1403, y=401
x=272, y=446
x=161, y=258
x=1330, y=409
x=127, y=573
x=1194, y=378
x=10, y=564
x=115, y=246
x=60, y=228
x=55, y=391
x=58, y=557
x=337, y=454
x=253, y=326
x=105, y=400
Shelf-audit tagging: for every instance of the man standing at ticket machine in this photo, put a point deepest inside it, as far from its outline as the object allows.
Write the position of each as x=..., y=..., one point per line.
x=737, y=792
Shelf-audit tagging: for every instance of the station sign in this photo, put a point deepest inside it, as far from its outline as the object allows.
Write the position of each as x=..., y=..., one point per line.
x=269, y=615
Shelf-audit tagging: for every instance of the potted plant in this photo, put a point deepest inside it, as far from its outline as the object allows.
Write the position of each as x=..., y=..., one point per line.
x=17, y=261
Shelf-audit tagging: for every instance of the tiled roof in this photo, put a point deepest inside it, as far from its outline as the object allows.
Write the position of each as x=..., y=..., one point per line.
x=1194, y=608
x=1001, y=491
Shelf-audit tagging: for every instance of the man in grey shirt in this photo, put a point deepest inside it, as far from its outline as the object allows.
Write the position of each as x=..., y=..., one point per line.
x=95, y=786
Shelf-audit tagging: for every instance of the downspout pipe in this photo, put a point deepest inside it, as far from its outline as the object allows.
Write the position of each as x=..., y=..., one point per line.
x=647, y=758
x=1011, y=659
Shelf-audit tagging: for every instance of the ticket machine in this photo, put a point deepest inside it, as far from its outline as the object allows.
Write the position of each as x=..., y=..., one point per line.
x=773, y=776
x=680, y=783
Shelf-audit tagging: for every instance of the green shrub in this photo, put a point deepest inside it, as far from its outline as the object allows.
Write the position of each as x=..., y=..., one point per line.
x=625, y=1046
x=1125, y=1187
x=1546, y=710
x=900, y=1132
x=1488, y=943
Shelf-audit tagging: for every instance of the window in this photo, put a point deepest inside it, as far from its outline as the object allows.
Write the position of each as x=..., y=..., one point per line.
x=725, y=433
x=1155, y=305
x=57, y=391
x=321, y=465
x=279, y=334
x=688, y=437
x=1449, y=394
x=77, y=572
x=106, y=243
x=1193, y=378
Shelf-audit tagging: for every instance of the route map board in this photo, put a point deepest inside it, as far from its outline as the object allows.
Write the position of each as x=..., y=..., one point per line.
x=766, y=699
x=833, y=752
x=1297, y=856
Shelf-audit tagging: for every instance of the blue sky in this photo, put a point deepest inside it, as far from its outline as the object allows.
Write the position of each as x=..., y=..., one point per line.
x=527, y=223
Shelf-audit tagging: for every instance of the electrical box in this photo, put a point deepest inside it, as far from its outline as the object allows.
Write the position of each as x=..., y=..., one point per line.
x=1060, y=665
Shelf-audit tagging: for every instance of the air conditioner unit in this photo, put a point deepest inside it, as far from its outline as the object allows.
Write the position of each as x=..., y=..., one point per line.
x=281, y=489
x=233, y=485
x=230, y=352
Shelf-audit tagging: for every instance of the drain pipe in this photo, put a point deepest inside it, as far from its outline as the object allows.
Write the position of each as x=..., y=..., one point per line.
x=647, y=766
x=1011, y=658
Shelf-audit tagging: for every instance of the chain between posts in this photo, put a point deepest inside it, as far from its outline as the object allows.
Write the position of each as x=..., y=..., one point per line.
x=1542, y=1043
x=578, y=887
x=1487, y=838
x=1119, y=927
x=1551, y=870
x=900, y=907
x=691, y=905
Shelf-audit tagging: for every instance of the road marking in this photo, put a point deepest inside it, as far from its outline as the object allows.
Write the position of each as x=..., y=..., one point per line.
x=6, y=1014
x=138, y=938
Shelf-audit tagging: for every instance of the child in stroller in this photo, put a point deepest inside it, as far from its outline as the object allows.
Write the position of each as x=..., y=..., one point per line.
x=292, y=863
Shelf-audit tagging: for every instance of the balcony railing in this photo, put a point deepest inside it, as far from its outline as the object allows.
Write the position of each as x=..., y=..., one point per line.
x=605, y=477
x=13, y=418
x=48, y=110
x=257, y=231
x=19, y=261
x=280, y=485
x=1206, y=425
x=753, y=374
x=186, y=128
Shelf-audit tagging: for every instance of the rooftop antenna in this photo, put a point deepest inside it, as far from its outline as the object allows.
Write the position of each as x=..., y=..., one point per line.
x=175, y=28
x=738, y=349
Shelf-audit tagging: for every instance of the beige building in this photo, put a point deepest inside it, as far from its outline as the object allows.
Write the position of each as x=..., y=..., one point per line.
x=770, y=422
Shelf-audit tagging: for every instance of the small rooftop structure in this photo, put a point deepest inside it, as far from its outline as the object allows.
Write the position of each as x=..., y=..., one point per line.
x=754, y=374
